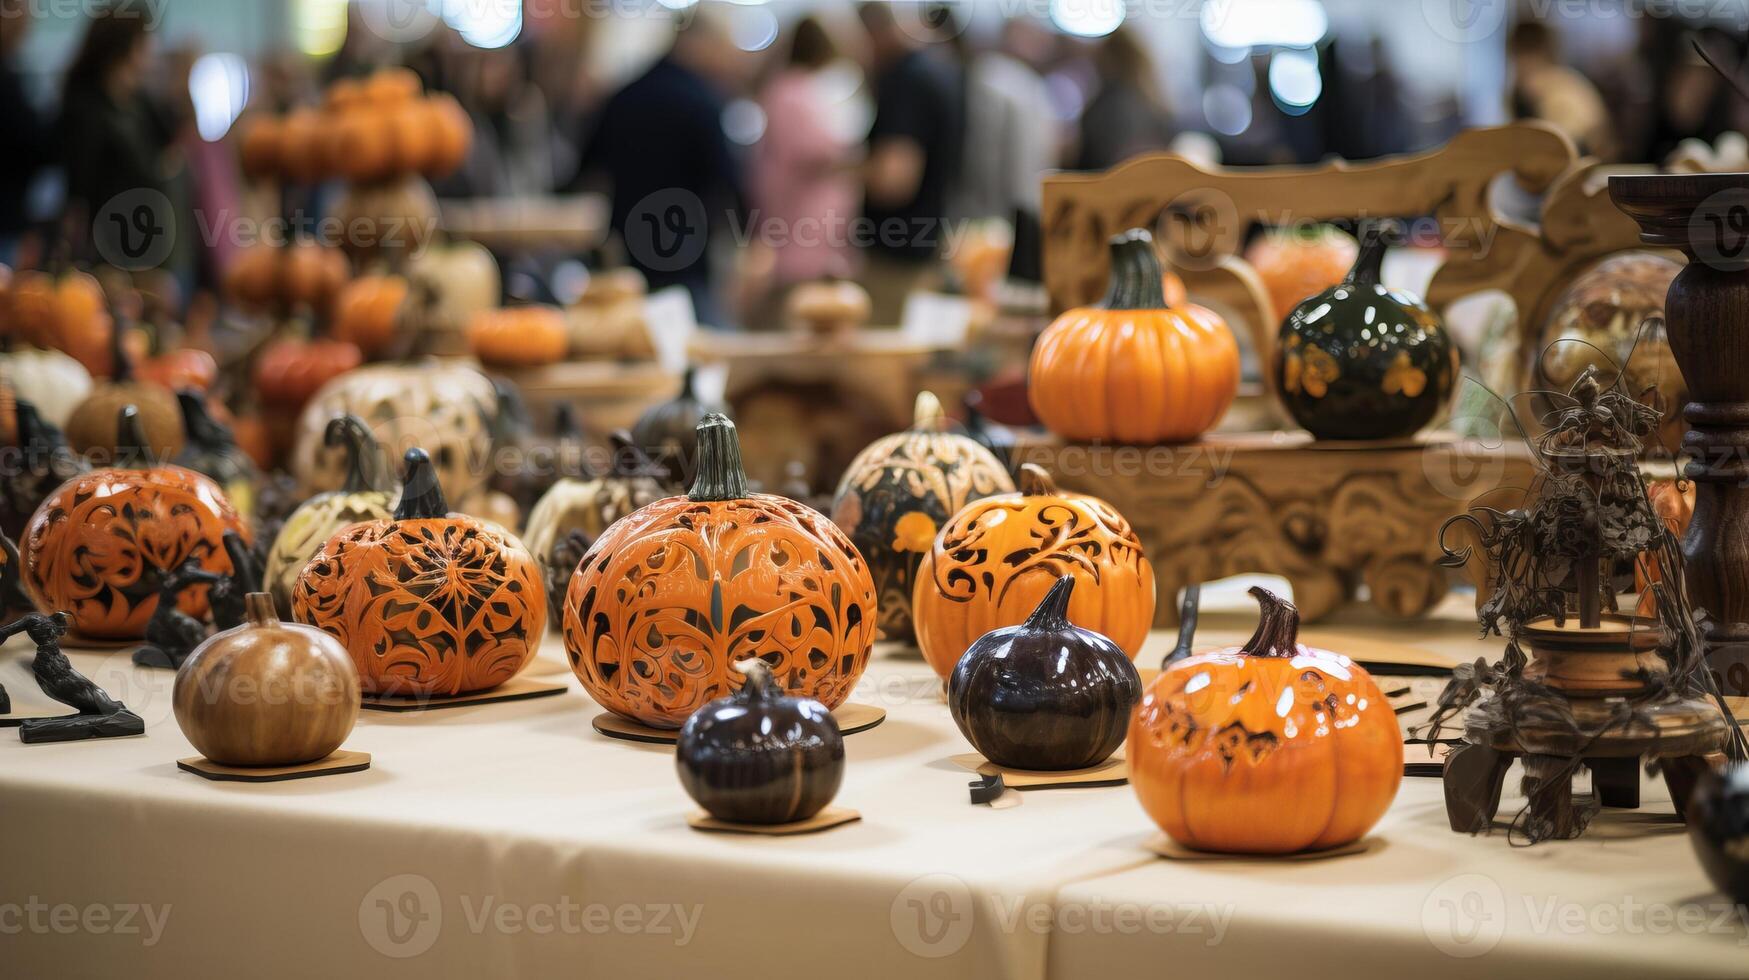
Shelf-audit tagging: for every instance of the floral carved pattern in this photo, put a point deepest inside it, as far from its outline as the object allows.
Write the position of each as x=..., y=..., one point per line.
x=426, y=607
x=670, y=598
x=99, y=546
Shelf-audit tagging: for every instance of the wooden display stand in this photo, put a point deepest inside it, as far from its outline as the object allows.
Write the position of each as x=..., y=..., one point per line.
x=338, y=762
x=1327, y=517
x=852, y=718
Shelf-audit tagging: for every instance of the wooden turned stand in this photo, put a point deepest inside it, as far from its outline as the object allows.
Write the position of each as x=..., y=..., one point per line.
x=1326, y=516
x=1586, y=665
x=1706, y=217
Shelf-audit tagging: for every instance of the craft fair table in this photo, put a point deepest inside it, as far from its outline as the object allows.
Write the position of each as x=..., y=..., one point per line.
x=512, y=840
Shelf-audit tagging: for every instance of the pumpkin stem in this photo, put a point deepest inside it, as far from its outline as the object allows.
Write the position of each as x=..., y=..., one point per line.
x=687, y=380
x=565, y=424
x=258, y=606
x=132, y=450
x=928, y=416
x=364, y=459
x=758, y=682
x=202, y=429
x=1035, y=481
x=720, y=474
x=1278, y=626
x=244, y=572
x=121, y=367
x=34, y=434
x=1370, y=262
x=1052, y=614
x=421, y=493
x=1135, y=273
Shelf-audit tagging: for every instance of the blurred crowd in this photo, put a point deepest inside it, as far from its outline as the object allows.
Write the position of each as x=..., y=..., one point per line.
x=864, y=142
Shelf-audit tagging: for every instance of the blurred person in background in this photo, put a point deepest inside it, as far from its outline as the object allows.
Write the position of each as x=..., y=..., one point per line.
x=513, y=151
x=673, y=178
x=803, y=171
x=30, y=131
x=1128, y=114
x=116, y=137
x=1544, y=88
x=1011, y=134
x=914, y=151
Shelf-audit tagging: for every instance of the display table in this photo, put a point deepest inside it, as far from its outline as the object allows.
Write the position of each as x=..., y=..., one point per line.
x=510, y=839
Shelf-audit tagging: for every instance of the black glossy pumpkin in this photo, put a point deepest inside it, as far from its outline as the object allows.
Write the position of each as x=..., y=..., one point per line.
x=1718, y=826
x=210, y=448
x=1046, y=695
x=897, y=494
x=759, y=756
x=668, y=433
x=43, y=462
x=1363, y=361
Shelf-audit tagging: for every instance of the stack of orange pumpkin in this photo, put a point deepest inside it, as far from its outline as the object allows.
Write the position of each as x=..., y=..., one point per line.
x=303, y=274
x=377, y=128
x=368, y=312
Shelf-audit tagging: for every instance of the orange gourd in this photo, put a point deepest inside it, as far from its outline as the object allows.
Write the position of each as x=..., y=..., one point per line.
x=992, y=564
x=453, y=132
x=671, y=597
x=518, y=337
x=261, y=146
x=99, y=546
x=252, y=278
x=292, y=369
x=304, y=154
x=1269, y=748
x=430, y=603
x=1133, y=369
x=65, y=312
x=312, y=275
x=1298, y=263
x=367, y=312
x=362, y=146
x=392, y=86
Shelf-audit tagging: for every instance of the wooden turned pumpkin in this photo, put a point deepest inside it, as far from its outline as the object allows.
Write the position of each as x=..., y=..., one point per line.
x=367, y=312
x=518, y=337
x=992, y=564
x=92, y=426
x=1268, y=748
x=428, y=603
x=289, y=371
x=1132, y=369
x=670, y=598
x=608, y=318
x=52, y=381
x=898, y=493
x=367, y=495
x=66, y=312
x=668, y=433
x=589, y=506
x=99, y=546
x=1300, y=262
x=827, y=307
x=445, y=407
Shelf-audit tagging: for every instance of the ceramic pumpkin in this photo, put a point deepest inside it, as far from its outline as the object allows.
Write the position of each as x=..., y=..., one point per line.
x=444, y=407
x=590, y=506
x=52, y=381
x=92, y=426
x=99, y=546
x=259, y=146
x=899, y=491
x=290, y=370
x=452, y=132
x=391, y=219
x=827, y=307
x=366, y=495
x=1269, y=748
x=1299, y=262
x=66, y=312
x=518, y=337
x=312, y=275
x=1133, y=369
x=992, y=564
x=667, y=433
x=1363, y=361
x=608, y=318
x=452, y=281
x=670, y=598
x=367, y=312
x=428, y=603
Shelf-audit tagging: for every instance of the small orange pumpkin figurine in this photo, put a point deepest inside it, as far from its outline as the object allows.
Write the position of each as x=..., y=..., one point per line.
x=429, y=603
x=518, y=337
x=671, y=597
x=1133, y=369
x=99, y=546
x=1269, y=748
x=994, y=561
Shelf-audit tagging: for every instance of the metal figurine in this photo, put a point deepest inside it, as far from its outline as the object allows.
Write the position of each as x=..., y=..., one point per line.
x=1598, y=687
x=172, y=634
x=100, y=716
x=44, y=462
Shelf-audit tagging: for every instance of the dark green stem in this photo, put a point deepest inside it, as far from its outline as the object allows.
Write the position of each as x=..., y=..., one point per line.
x=364, y=460
x=421, y=493
x=1278, y=626
x=1370, y=262
x=1052, y=614
x=132, y=451
x=720, y=474
x=1135, y=273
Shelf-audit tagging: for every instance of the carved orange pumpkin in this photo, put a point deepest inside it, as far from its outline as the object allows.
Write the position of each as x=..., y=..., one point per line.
x=99, y=546
x=671, y=597
x=992, y=564
x=430, y=603
x=518, y=337
x=898, y=493
x=1133, y=369
x=1301, y=262
x=1269, y=748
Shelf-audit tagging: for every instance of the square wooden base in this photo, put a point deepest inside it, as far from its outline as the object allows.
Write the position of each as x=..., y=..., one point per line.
x=851, y=718
x=341, y=761
x=1112, y=772
x=1170, y=849
x=514, y=689
x=826, y=819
